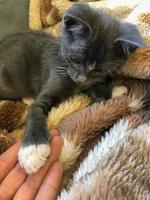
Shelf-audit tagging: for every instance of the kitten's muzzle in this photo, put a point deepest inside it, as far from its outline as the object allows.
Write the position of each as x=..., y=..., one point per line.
x=81, y=79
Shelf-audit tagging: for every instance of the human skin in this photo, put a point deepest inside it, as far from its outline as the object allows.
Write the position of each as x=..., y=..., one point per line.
x=16, y=184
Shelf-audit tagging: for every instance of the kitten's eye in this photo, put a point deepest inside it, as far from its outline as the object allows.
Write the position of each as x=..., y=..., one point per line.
x=74, y=59
x=92, y=66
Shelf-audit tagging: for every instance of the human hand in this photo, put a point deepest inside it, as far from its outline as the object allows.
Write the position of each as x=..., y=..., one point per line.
x=17, y=185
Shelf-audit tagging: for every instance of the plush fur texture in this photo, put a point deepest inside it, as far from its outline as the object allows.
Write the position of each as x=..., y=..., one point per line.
x=138, y=58
x=80, y=129
x=118, y=166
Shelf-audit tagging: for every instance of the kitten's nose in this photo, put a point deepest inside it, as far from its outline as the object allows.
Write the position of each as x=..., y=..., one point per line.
x=81, y=79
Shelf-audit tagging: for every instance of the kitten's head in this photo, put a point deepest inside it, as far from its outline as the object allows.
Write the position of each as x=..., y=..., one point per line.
x=95, y=42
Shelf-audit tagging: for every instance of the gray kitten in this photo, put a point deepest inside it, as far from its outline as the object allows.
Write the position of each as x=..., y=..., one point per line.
x=92, y=47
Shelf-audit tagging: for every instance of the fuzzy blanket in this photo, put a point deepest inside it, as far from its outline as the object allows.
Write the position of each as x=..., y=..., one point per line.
x=106, y=152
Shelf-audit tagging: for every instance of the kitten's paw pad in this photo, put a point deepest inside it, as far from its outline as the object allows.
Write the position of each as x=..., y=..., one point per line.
x=119, y=91
x=33, y=157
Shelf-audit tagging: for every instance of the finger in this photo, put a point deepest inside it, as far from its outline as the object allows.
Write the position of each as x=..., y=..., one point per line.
x=54, y=132
x=12, y=182
x=8, y=160
x=50, y=186
x=32, y=184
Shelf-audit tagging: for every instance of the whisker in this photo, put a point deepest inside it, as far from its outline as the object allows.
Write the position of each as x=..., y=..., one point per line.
x=62, y=67
x=61, y=70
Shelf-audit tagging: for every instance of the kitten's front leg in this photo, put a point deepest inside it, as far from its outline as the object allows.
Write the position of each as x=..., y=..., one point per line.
x=35, y=148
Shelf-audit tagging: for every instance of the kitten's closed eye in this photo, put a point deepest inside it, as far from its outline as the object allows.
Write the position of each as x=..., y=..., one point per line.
x=74, y=59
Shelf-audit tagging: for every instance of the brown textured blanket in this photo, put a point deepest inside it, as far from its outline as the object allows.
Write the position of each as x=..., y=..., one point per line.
x=106, y=152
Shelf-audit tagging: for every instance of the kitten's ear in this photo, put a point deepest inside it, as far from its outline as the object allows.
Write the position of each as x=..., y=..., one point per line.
x=129, y=38
x=76, y=26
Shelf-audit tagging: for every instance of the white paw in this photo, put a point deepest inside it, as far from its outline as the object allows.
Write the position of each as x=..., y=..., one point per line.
x=33, y=157
x=28, y=101
x=119, y=91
